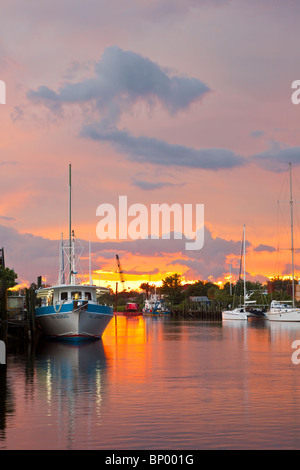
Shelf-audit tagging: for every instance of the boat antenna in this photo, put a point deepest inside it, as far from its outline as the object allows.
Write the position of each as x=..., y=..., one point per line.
x=62, y=265
x=70, y=223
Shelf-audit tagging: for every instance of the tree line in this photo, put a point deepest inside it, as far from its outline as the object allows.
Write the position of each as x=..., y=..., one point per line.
x=175, y=291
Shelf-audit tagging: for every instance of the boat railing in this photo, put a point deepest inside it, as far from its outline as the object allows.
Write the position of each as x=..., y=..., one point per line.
x=281, y=304
x=60, y=302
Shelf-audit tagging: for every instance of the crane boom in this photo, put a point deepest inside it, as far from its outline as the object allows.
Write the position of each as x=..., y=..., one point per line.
x=120, y=271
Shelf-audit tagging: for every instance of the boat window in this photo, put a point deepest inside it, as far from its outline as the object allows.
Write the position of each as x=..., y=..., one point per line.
x=88, y=296
x=63, y=295
x=76, y=295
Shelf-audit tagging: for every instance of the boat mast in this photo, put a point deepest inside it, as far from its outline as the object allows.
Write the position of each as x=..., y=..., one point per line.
x=292, y=235
x=244, y=266
x=90, y=262
x=70, y=227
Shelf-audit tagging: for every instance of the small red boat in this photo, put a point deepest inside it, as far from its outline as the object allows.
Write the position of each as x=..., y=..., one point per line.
x=132, y=309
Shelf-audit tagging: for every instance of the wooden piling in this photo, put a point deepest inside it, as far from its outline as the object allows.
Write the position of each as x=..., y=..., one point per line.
x=3, y=310
x=30, y=297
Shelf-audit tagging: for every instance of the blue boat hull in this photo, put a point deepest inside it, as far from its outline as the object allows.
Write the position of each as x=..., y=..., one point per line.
x=65, y=322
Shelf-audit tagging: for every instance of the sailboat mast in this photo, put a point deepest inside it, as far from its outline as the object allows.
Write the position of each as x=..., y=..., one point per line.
x=70, y=225
x=292, y=235
x=244, y=265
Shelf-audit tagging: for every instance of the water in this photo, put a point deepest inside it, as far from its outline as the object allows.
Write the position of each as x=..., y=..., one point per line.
x=157, y=383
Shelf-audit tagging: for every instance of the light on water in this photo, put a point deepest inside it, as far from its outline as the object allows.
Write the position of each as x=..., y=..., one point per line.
x=156, y=383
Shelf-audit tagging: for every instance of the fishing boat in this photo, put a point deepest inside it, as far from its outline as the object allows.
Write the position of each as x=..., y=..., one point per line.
x=239, y=313
x=155, y=306
x=282, y=311
x=69, y=310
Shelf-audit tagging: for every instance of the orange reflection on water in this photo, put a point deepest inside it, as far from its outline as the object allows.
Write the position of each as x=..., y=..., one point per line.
x=159, y=383
x=126, y=347
x=122, y=329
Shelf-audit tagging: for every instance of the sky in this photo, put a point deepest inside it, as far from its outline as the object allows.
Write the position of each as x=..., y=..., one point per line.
x=164, y=102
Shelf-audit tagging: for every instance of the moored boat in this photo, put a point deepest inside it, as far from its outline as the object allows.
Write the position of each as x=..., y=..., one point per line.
x=132, y=309
x=235, y=314
x=238, y=313
x=155, y=306
x=281, y=311
x=70, y=310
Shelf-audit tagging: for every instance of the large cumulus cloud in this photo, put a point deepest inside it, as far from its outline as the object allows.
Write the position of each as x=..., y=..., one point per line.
x=122, y=79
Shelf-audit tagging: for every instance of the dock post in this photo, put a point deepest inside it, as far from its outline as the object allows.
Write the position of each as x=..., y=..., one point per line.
x=116, y=298
x=30, y=306
x=3, y=310
x=2, y=353
x=32, y=301
x=27, y=301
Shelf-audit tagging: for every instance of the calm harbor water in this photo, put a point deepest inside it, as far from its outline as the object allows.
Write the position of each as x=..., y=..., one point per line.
x=157, y=383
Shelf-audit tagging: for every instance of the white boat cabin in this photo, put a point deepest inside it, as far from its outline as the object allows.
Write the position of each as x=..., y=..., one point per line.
x=68, y=293
x=277, y=304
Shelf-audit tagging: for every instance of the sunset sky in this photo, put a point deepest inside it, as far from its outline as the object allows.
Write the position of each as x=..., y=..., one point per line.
x=162, y=101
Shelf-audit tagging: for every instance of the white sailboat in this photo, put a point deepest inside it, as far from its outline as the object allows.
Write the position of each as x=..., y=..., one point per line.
x=239, y=313
x=283, y=311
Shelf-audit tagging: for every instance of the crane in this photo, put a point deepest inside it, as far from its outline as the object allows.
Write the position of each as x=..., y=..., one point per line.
x=120, y=272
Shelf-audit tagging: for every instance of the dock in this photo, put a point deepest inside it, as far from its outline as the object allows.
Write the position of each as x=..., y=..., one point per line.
x=17, y=317
x=201, y=314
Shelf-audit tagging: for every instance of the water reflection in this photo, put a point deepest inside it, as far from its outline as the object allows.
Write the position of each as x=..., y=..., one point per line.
x=6, y=401
x=263, y=335
x=290, y=329
x=157, y=383
x=57, y=387
x=70, y=378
